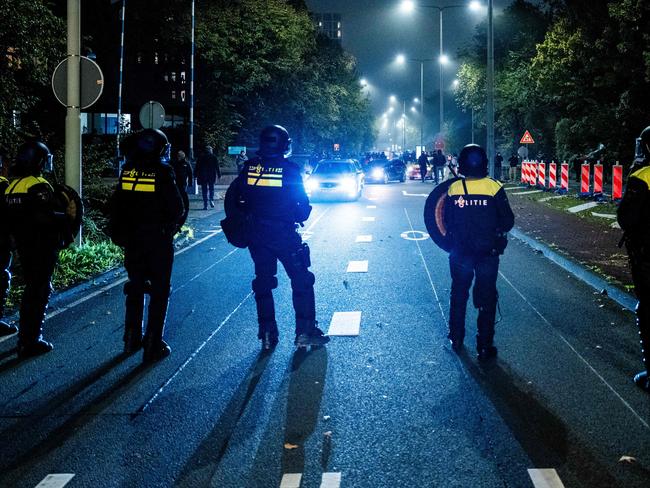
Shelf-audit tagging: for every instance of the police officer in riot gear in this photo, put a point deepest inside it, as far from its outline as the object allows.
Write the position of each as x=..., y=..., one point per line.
x=477, y=217
x=146, y=210
x=36, y=226
x=634, y=219
x=5, y=258
x=270, y=192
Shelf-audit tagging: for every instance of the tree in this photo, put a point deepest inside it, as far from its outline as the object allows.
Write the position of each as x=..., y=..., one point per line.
x=32, y=42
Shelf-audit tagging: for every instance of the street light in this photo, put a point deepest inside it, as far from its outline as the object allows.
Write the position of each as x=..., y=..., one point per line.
x=401, y=59
x=408, y=6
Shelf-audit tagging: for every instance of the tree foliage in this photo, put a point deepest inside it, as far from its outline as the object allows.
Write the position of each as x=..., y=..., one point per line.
x=32, y=42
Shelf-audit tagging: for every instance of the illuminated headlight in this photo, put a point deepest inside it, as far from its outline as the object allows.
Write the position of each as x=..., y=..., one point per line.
x=348, y=184
x=378, y=173
x=311, y=184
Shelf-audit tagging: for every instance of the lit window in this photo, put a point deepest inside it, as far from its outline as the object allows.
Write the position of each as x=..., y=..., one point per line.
x=183, y=77
x=173, y=76
x=173, y=94
x=320, y=24
x=338, y=25
x=166, y=77
x=155, y=58
x=338, y=34
x=139, y=58
x=182, y=95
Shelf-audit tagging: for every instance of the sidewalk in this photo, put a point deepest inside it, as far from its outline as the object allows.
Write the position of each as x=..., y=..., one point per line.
x=579, y=229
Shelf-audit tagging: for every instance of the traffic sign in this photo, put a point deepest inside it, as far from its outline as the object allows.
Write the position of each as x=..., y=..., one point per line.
x=152, y=115
x=234, y=150
x=527, y=138
x=91, y=81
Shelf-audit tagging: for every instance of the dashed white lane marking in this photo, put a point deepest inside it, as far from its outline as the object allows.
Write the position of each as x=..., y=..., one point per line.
x=545, y=478
x=357, y=267
x=121, y=280
x=371, y=206
x=57, y=480
x=345, y=324
x=331, y=480
x=372, y=199
x=530, y=192
x=406, y=194
x=593, y=370
x=367, y=219
x=291, y=480
x=584, y=206
x=364, y=238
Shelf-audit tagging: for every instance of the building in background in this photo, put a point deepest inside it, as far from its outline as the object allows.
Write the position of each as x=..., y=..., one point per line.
x=329, y=24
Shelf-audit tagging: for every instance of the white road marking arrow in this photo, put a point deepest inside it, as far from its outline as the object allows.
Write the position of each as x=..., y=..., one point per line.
x=406, y=194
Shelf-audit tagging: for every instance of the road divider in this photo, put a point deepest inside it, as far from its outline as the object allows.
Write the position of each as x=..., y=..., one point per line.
x=364, y=238
x=367, y=219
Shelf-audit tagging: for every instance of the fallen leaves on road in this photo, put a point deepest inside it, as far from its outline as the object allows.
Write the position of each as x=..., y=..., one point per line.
x=627, y=460
x=290, y=446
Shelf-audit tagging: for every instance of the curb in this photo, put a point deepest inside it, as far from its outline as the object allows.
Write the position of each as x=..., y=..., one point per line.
x=621, y=297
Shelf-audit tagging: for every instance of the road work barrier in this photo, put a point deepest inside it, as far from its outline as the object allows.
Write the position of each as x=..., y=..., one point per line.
x=524, y=165
x=585, y=174
x=598, y=181
x=552, y=176
x=532, y=175
x=564, y=178
x=617, y=182
x=541, y=175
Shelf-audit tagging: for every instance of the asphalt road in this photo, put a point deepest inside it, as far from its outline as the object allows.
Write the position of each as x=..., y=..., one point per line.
x=391, y=407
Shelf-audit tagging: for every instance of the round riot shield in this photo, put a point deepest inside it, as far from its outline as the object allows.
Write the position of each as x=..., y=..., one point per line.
x=70, y=204
x=434, y=215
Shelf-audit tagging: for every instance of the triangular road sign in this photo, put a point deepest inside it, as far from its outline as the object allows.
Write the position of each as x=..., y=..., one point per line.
x=527, y=139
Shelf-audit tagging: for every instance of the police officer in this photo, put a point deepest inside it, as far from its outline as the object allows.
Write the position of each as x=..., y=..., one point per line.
x=36, y=227
x=271, y=192
x=146, y=210
x=477, y=217
x=634, y=219
x=5, y=258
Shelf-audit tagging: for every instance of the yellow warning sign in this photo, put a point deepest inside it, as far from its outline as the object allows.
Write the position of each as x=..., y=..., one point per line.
x=527, y=139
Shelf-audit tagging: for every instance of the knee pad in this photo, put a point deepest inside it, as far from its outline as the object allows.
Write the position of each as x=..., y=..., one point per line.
x=304, y=280
x=131, y=288
x=264, y=285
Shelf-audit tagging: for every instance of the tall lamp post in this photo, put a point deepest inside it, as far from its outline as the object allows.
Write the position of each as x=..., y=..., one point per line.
x=401, y=59
x=409, y=6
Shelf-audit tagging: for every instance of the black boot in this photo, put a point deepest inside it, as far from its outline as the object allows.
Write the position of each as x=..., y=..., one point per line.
x=311, y=337
x=155, y=348
x=487, y=353
x=32, y=349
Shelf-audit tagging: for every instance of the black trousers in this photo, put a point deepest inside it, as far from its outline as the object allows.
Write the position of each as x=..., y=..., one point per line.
x=207, y=190
x=37, y=262
x=5, y=275
x=149, y=267
x=483, y=271
x=423, y=172
x=640, y=267
x=283, y=244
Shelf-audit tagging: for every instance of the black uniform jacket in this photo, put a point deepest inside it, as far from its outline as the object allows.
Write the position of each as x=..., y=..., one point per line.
x=146, y=205
x=477, y=216
x=634, y=210
x=182, y=173
x=270, y=190
x=207, y=169
x=31, y=211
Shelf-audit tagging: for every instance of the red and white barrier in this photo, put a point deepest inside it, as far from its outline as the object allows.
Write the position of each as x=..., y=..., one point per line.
x=523, y=172
x=584, y=180
x=552, y=176
x=617, y=179
x=564, y=177
x=598, y=178
x=532, y=175
x=541, y=175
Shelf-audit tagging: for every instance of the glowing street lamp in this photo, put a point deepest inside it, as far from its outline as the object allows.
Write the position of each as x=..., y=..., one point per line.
x=407, y=6
x=400, y=59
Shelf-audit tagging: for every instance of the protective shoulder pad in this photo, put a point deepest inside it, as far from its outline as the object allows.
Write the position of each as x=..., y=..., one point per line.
x=642, y=174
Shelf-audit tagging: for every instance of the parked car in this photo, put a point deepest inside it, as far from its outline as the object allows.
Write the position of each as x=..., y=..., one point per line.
x=338, y=179
x=384, y=170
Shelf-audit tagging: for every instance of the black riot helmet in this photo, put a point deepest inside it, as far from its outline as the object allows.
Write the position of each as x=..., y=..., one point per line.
x=473, y=161
x=33, y=158
x=147, y=147
x=274, y=142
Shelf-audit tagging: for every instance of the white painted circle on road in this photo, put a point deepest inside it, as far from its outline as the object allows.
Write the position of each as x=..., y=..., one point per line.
x=414, y=235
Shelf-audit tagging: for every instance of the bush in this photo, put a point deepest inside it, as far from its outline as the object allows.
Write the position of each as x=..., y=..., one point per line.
x=80, y=263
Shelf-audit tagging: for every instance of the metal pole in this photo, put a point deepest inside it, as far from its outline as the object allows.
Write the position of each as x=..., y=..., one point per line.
x=192, y=90
x=73, y=110
x=403, y=126
x=121, y=78
x=441, y=81
x=472, y=125
x=421, y=103
x=490, y=90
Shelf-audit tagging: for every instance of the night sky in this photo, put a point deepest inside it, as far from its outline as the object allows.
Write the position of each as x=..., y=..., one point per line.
x=376, y=31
